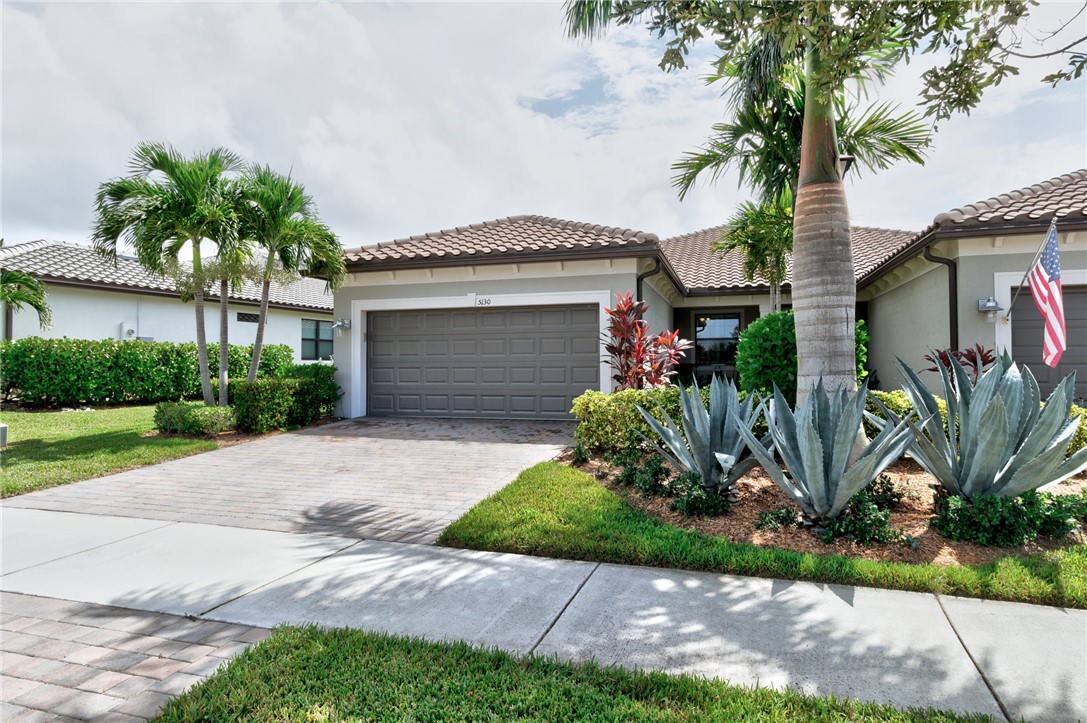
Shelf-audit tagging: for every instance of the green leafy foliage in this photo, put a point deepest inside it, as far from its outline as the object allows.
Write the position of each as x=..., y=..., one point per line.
x=897, y=402
x=1010, y=521
x=778, y=518
x=694, y=500
x=54, y=372
x=999, y=441
x=652, y=476
x=611, y=423
x=1079, y=439
x=193, y=418
x=580, y=453
x=863, y=521
x=817, y=443
x=766, y=354
x=323, y=390
x=266, y=404
x=883, y=493
x=709, y=443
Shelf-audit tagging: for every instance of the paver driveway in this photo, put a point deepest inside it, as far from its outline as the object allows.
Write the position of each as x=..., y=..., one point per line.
x=399, y=480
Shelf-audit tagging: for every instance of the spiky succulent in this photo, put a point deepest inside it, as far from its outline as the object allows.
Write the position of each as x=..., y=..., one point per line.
x=816, y=444
x=709, y=444
x=1000, y=440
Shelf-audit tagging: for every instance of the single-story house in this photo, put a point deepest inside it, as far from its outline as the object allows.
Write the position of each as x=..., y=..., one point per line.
x=504, y=318
x=93, y=298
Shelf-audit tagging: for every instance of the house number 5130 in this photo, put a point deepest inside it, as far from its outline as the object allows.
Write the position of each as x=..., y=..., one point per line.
x=483, y=301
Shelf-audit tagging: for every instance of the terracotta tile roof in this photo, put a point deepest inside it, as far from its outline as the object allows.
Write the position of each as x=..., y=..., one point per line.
x=1062, y=197
x=60, y=262
x=515, y=237
x=703, y=270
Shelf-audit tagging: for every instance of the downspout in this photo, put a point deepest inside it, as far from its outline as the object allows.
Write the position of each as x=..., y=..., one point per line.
x=952, y=292
x=641, y=277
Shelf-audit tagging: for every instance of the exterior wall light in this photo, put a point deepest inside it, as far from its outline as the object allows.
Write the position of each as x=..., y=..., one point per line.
x=845, y=163
x=340, y=325
x=990, y=307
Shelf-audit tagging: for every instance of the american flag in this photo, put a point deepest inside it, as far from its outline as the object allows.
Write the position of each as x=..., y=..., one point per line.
x=1045, y=286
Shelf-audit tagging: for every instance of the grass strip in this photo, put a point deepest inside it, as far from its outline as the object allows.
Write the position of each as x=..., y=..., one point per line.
x=46, y=449
x=554, y=511
x=310, y=674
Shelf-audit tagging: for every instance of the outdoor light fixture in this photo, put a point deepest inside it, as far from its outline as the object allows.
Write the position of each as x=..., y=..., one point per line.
x=845, y=163
x=340, y=325
x=989, y=307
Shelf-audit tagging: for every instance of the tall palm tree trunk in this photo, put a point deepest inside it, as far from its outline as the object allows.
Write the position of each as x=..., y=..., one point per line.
x=824, y=286
x=258, y=342
x=201, y=330
x=224, y=340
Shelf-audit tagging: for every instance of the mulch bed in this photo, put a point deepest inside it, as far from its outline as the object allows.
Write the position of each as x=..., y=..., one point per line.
x=758, y=493
x=229, y=439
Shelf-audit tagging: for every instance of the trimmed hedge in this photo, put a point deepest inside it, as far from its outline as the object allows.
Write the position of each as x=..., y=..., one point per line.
x=193, y=418
x=54, y=372
x=1079, y=440
x=325, y=392
x=285, y=402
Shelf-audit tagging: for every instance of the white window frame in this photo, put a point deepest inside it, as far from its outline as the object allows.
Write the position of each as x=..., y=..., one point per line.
x=473, y=300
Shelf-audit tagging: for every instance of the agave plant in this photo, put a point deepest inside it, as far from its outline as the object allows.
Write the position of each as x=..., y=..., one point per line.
x=710, y=444
x=816, y=444
x=999, y=440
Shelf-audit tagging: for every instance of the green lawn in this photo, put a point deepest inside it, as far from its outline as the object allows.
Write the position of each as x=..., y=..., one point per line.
x=555, y=511
x=308, y=674
x=53, y=448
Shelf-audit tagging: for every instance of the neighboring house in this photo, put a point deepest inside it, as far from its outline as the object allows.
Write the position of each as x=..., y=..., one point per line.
x=93, y=298
x=504, y=318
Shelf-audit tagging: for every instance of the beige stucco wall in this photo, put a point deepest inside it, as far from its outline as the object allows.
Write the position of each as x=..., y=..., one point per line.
x=907, y=321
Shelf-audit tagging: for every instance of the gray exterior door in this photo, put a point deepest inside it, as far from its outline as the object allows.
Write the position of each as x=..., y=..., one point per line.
x=518, y=362
x=1028, y=327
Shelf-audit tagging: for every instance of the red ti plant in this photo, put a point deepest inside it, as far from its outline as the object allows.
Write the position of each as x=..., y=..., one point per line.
x=975, y=360
x=639, y=359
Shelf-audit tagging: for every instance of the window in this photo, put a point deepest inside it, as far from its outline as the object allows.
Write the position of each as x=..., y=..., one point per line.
x=316, y=340
x=715, y=338
x=248, y=318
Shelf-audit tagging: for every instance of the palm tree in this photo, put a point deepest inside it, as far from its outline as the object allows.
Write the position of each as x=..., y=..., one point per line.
x=19, y=290
x=823, y=289
x=278, y=215
x=763, y=234
x=166, y=203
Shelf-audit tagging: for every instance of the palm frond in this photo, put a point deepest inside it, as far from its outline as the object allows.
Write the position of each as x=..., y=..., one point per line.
x=20, y=290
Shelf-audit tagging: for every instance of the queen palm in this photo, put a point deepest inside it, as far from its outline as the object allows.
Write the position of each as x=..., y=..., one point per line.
x=167, y=203
x=19, y=290
x=279, y=216
x=762, y=233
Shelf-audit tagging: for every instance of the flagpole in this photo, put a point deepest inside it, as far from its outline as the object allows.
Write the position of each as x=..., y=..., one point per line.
x=1052, y=226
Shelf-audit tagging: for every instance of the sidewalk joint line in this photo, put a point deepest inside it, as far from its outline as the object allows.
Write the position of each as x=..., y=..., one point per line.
x=984, y=679
x=286, y=574
x=164, y=525
x=560, y=613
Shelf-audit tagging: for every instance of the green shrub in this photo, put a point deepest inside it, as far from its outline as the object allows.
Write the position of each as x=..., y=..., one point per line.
x=265, y=404
x=193, y=418
x=692, y=499
x=54, y=372
x=766, y=355
x=1010, y=521
x=775, y=519
x=862, y=521
x=1079, y=440
x=611, y=423
x=883, y=493
x=651, y=476
x=897, y=402
x=325, y=392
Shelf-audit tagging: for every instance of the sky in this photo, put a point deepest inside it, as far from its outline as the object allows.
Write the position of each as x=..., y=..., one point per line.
x=401, y=119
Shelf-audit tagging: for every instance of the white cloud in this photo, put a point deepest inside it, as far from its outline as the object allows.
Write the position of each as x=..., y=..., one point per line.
x=406, y=118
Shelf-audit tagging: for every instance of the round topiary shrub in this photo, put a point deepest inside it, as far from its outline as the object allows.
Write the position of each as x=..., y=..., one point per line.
x=766, y=354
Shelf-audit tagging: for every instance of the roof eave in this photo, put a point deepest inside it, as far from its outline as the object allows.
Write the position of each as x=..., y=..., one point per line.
x=640, y=251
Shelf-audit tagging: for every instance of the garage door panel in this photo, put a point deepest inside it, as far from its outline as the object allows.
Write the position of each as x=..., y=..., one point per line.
x=521, y=362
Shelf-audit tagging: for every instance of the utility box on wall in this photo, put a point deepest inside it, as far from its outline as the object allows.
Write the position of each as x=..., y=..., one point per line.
x=128, y=331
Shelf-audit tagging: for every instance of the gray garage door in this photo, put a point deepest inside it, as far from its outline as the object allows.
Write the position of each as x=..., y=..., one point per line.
x=526, y=362
x=1027, y=329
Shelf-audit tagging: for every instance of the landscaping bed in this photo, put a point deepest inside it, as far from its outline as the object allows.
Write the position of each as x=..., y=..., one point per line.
x=912, y=515
x=310, y=674
x=554, y=510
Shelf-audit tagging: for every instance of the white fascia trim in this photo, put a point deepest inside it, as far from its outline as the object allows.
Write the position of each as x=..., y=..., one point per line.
x=360, y=307
x=1004, y=285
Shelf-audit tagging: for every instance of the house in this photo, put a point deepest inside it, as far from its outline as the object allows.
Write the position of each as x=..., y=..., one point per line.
x=504, y=318
x=93, y=298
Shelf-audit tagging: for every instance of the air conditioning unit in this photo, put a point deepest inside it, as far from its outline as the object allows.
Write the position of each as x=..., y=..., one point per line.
x=127, y=331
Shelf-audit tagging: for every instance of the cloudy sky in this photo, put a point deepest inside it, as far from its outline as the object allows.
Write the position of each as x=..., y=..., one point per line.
x=402, y=119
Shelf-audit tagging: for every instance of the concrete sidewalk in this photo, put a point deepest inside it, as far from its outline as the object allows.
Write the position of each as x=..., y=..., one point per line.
x=905, y=649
